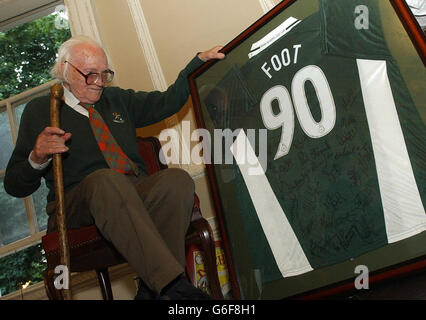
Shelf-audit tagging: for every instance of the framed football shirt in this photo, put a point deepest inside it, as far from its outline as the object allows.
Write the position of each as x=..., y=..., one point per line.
x=318, y=156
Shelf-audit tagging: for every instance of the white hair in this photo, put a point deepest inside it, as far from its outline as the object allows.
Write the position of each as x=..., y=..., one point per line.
x=64, y=54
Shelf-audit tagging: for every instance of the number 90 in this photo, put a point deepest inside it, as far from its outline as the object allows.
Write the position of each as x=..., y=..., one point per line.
x=285, y=118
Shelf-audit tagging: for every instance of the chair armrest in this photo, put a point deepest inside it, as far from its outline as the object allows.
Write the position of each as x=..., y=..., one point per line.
x=196, y=210
x=149, y=149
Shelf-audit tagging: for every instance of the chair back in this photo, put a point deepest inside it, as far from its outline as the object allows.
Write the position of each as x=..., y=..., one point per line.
x=150, y=150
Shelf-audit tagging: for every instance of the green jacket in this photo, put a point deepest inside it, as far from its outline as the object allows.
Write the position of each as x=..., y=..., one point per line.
x=123, y=112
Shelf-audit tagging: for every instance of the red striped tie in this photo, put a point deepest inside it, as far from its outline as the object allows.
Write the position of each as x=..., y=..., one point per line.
x=113, y=154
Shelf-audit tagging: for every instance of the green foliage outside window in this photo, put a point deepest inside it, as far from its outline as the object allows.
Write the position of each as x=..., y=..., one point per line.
x=19, y=268
x=27, y=53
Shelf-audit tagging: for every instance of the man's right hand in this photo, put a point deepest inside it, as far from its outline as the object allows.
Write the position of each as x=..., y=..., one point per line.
x=49, y=142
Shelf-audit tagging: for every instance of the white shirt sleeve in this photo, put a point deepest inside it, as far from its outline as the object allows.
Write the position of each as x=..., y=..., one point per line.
x=36, y=165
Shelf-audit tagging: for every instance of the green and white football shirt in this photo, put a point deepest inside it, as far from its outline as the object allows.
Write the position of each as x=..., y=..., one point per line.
x=346, y=158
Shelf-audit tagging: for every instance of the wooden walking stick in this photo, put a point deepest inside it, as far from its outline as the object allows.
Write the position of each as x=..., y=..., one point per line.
x=56, y=93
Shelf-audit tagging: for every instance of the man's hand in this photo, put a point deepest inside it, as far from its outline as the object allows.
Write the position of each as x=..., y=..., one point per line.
x=50, y=141
x=213, y=53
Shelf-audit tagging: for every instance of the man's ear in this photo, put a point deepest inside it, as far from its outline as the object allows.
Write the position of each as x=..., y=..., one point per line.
x=63, y=69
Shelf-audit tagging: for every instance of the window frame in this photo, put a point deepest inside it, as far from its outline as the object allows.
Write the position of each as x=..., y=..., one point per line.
x=10, y=104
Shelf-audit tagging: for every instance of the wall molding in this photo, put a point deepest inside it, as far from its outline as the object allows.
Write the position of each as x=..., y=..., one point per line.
x=82, y=19
x=157, y=76
x=147, y=45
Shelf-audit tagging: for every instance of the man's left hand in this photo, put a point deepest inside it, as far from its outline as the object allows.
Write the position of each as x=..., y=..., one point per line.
x=213, y=53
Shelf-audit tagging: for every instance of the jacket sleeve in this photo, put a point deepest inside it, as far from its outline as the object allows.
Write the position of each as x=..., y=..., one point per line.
x=152, y=107
x=21, y=179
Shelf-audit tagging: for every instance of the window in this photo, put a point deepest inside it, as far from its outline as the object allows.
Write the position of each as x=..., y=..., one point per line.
x=27, y=52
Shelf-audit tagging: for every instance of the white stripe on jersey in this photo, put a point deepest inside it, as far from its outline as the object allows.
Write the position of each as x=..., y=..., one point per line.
x=403, y=210
x=288, y=254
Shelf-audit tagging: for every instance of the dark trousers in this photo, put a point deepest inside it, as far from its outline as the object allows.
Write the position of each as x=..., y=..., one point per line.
x=145, y=218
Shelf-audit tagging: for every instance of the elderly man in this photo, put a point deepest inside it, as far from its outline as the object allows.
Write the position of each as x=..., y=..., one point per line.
x=146, y=218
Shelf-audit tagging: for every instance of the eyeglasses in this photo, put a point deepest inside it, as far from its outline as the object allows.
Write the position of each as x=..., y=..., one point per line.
x=92, y=77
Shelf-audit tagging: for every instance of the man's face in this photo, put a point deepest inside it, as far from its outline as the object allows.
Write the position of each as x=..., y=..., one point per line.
x=87, y=59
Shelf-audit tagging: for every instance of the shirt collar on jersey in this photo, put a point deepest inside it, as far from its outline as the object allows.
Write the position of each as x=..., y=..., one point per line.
x=73, y=102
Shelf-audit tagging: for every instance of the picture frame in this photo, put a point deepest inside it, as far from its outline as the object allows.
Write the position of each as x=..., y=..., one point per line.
x=234, y=94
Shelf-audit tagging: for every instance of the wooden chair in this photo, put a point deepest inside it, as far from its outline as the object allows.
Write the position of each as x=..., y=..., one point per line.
x=88, y=250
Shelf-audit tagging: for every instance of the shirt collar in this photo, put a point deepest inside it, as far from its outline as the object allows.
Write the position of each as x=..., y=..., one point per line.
x=73, y=102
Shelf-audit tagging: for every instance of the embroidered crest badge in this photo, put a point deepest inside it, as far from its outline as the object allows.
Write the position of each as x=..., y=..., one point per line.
x=117, y=118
